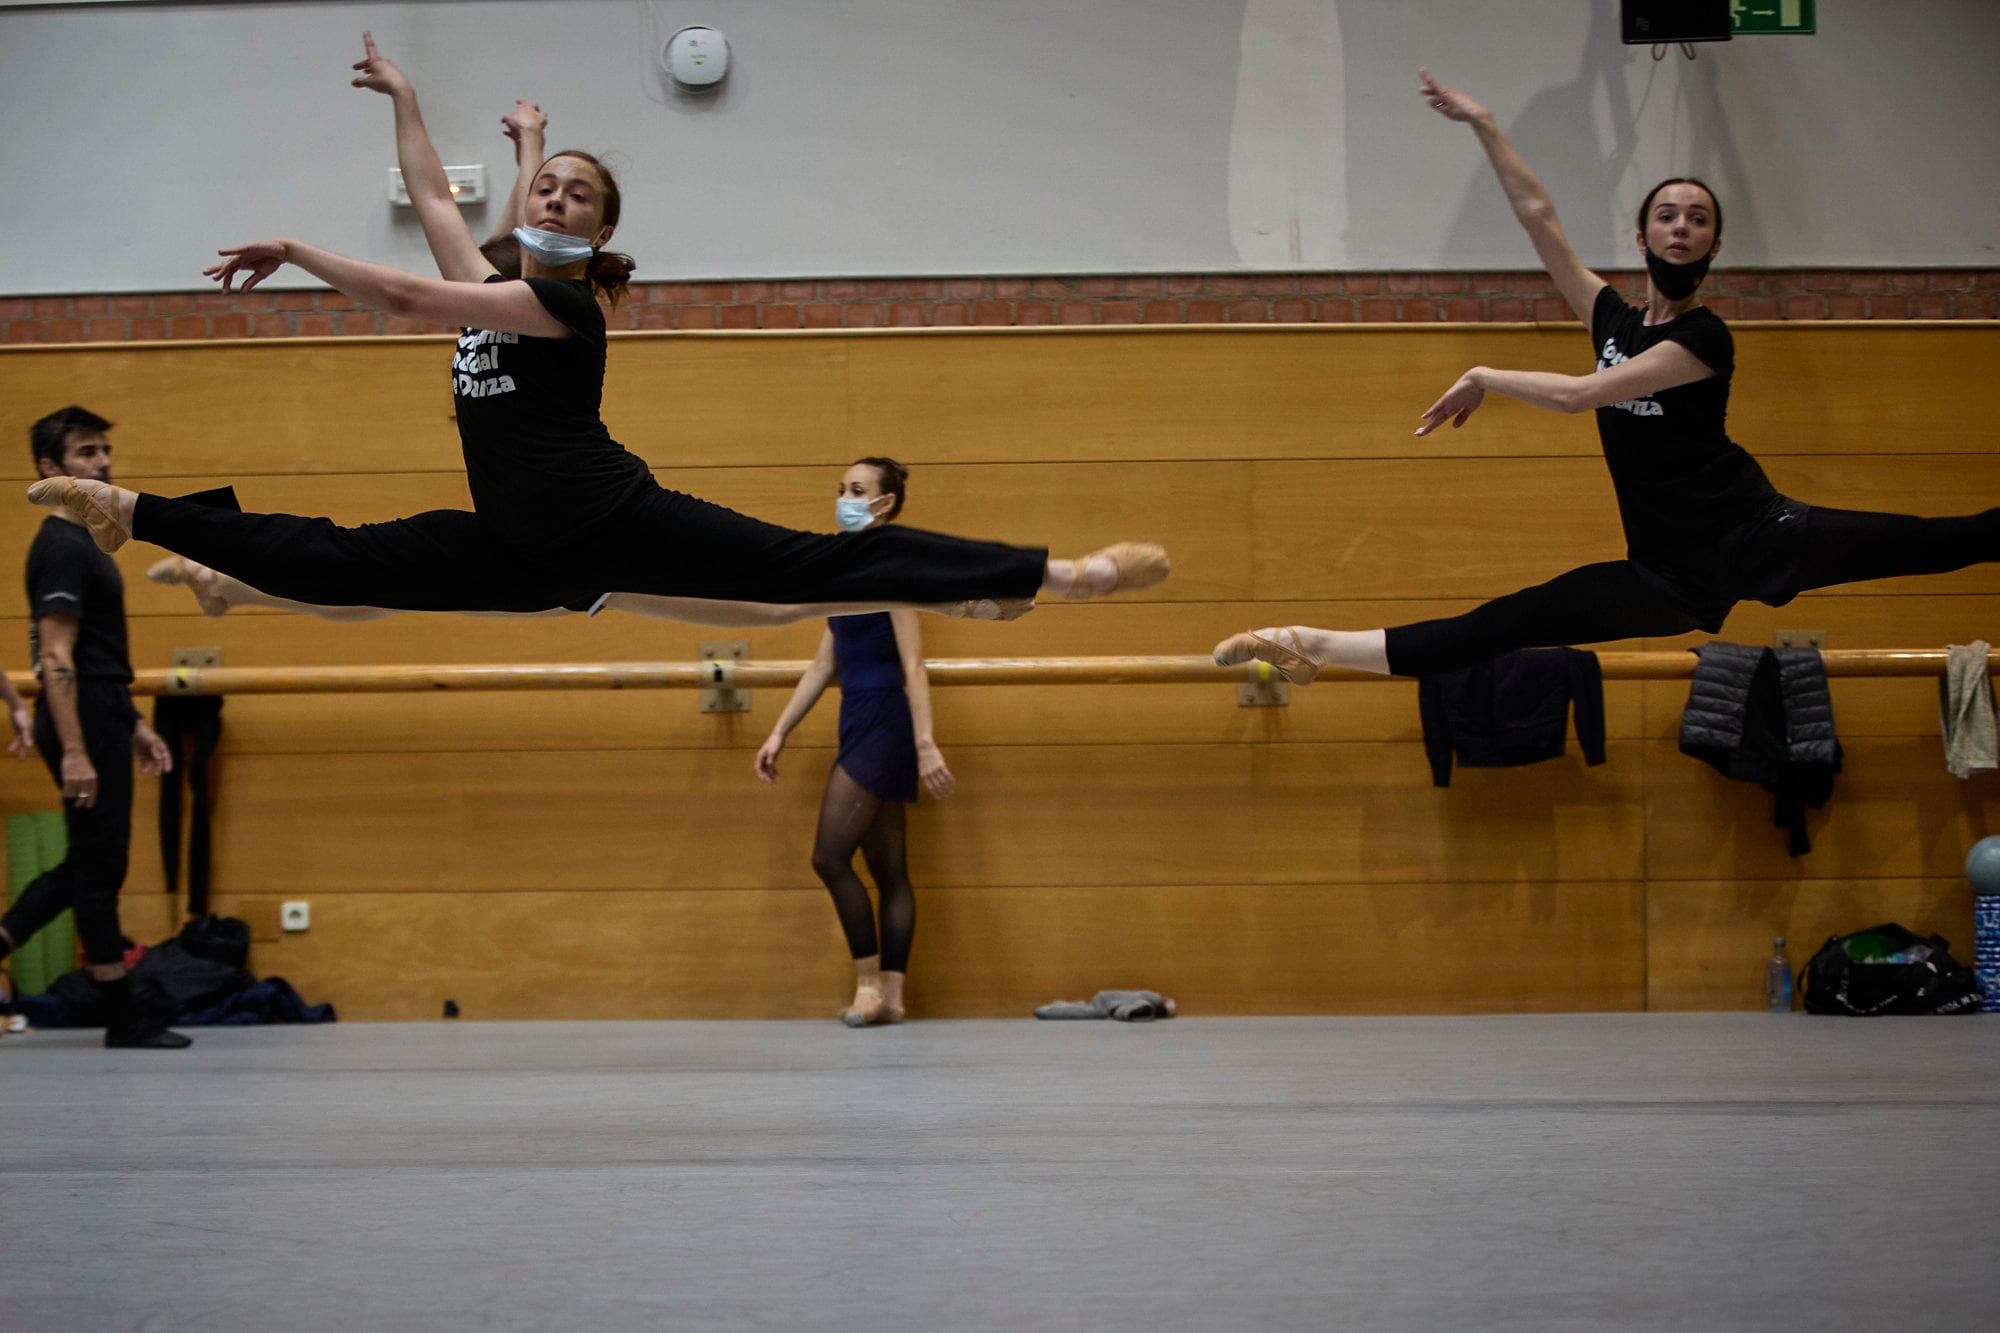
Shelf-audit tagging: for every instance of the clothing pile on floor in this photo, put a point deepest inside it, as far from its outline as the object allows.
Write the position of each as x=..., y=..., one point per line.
x=196, y=979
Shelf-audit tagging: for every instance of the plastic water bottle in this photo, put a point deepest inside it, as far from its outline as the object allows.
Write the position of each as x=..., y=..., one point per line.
x=1778, y=979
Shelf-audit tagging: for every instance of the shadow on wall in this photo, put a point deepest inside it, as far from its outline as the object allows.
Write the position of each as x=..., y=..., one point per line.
x=1561, y=132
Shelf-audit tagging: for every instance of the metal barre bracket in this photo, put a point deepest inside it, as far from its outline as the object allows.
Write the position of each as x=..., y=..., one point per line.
x=719, y=691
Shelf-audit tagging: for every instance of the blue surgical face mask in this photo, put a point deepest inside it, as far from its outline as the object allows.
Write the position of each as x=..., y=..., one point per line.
x=553, y=248
x=853, y=513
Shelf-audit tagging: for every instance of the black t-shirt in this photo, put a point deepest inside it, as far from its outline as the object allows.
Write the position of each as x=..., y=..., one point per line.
x=542, y=468
x=69, y=576
x=1686, y=493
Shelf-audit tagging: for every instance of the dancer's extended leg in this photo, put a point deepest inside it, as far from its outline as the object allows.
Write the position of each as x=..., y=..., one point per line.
x=1592, y=604
x=664, y=543
x=1852, y=546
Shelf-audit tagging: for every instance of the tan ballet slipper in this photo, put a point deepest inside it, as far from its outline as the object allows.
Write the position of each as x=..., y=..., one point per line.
x=1288, y=658
x=179, y=571
x=868, y=1006
x=86, y=502
x=1135, y=565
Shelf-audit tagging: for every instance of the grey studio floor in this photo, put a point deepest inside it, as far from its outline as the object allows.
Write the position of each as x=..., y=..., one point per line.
x=1728, y=1171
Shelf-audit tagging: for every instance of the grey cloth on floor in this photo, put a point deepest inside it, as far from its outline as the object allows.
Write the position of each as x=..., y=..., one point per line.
x=1127, y=1006
x=1965, y=710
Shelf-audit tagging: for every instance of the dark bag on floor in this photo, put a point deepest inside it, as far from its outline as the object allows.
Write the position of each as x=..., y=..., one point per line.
x=1888, y=970
x=220, y=939
x=200, y=966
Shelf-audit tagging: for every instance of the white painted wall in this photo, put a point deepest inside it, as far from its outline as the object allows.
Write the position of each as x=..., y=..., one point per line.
x=893, y=137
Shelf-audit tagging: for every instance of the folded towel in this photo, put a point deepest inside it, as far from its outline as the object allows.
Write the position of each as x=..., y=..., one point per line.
x=1965, y=711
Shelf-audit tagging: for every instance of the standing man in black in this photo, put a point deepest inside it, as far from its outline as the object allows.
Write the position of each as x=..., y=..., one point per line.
x=86, y=728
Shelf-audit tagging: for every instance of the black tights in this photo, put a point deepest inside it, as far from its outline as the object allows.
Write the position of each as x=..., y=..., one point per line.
x=1614, y=600
x=852, y=817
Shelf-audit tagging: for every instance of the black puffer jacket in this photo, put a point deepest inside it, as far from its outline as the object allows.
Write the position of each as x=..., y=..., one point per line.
x=1765, y=715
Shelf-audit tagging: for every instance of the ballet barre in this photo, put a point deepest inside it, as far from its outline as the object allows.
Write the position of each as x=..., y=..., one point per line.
x=752, y=675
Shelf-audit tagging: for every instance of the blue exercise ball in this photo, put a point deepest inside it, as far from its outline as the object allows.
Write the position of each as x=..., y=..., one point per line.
x=1982, y=865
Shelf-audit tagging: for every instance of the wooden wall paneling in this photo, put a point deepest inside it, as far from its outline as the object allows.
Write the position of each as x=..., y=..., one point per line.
x=1895, y=813
x=1707, y=941
x=244, y=409
x=1365, y=813
x=733, y=402
x=1410, y=528
x=981, y=952
x=683, y=400
x=699, y=953
x=1308, y=948
x=1203, y=394
x=1836, y=388
x=667, y=820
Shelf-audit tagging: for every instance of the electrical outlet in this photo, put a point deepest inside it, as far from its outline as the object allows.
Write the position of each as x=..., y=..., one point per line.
x=295, y=916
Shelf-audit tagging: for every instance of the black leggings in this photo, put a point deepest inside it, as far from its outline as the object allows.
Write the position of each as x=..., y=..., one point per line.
x=850, y=817
x=1617, y=600
x=658, y=542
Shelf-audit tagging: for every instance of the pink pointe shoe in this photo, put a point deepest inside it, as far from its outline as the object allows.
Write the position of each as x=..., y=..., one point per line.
x=87, y=503
x=1288, y=658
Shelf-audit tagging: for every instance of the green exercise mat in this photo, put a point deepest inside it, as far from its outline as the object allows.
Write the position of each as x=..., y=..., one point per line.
x=36, y=843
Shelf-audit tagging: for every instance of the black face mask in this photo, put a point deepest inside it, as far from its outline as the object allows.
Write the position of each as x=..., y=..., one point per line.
x=1676, y=281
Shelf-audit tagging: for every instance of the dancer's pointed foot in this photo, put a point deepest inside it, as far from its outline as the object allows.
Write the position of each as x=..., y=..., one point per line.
x=197, y=579
x=105, y=510
x=1281, y=647
x=993, y=608
x=868, y=1006
x=1120, y=567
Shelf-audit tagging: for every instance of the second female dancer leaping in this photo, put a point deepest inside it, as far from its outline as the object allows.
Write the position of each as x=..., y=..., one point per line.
x=1704, y=529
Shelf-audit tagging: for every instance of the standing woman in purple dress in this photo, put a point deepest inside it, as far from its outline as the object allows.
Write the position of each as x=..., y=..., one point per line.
x=886, y=751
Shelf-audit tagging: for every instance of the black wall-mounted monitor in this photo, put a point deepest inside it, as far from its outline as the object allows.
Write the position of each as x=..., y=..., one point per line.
x=1649, y=22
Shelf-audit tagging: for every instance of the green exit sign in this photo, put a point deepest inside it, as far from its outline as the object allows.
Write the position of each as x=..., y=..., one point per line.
x=1757, y=16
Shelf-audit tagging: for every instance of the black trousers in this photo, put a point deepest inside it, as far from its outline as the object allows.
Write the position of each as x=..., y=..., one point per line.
x=1619, y=600
x=100, y=837
x=659, y=542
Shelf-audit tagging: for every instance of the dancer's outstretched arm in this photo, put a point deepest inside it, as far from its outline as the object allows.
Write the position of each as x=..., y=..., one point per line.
x=1532, y=206
x=1666, y=365
x=932, y=771
x=506, y=307
x=804, y=696
x=525, y=125
x=457, y=254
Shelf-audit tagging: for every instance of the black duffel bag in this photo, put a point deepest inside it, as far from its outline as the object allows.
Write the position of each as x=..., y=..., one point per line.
x=198, y=967
x=1887, y=970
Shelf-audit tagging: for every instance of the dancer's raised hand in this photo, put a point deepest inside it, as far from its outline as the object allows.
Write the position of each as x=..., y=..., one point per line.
x=1460, y=401
x=1449, y=102
x=378, y=73
x=255, y=261
x=525, y=119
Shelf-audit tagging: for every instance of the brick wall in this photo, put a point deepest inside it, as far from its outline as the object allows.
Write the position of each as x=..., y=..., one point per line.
x=827, y=303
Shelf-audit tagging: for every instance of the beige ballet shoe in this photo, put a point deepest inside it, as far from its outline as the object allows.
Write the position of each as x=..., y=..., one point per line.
x=179, y=571
x=1287, y=658
x=867, y=1008
x=1137, y=565
x=82, y=500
